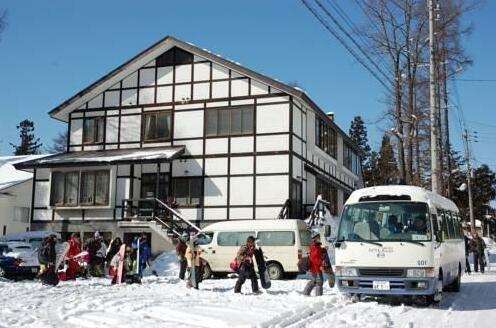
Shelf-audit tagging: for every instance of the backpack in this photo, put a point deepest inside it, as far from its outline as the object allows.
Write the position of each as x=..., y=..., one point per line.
x=304, y=264
x=43, y=252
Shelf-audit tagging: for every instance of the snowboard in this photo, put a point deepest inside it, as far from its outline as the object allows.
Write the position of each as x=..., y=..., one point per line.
x=61, y=254
x=262, y=268
x=138, y=256
x=192, y=270
x=120, y=268
x=49, y=276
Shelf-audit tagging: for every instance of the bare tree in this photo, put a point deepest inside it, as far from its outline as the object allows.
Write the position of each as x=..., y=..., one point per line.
x=3, y=20
x=59, y=143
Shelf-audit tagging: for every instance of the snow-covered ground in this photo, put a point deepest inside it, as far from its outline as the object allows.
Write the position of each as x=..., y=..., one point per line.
x=164, y=301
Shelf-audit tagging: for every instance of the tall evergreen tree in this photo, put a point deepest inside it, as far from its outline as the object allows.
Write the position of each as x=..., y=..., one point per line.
x=29, y=144
x=387, y=167
x=358, y=133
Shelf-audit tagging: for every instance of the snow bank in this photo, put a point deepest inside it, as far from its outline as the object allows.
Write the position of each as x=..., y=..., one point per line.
x=165, y=264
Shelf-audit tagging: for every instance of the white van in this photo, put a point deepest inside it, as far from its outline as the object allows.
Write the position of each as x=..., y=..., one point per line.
x=282, y=241
x=31, y=237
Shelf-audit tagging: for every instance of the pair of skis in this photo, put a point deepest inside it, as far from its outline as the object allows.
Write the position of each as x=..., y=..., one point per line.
x=122, y=254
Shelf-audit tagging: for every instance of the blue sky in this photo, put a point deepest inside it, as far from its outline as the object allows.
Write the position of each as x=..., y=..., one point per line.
x=52, y=49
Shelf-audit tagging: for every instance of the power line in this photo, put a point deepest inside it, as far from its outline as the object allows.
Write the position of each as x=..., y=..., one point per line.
x=344, y=44
x=476, y=80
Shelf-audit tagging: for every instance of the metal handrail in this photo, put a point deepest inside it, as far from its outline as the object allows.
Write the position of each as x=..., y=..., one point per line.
x=125, y=205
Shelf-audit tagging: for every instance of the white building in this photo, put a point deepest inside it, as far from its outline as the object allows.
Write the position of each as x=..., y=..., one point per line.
x=15, y=195
x=178, y=121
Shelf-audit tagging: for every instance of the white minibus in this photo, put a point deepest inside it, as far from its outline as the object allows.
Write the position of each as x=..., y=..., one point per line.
x=283, y=242
x=399, y=240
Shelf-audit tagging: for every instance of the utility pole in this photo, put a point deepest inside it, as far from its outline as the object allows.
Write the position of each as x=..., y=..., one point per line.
x=469, y=181
x=433, y=104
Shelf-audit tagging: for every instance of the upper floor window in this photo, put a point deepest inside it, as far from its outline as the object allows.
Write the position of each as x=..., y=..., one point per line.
x=329, y=193
x=351, y=160
x=187, y=191
x=86, y=188
x=229, y=121
x=175, y=56
x=157, y=126
x=326, y=137
x=93, y=128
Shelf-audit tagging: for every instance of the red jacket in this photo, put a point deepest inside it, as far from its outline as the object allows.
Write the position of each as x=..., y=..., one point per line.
x=316, y=257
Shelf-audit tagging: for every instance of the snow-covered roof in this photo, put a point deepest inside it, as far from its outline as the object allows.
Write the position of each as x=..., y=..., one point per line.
x=9, y=175
x=106, y=157
x=416, y=194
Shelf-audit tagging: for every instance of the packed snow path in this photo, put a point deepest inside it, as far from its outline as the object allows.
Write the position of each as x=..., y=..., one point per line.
x=165, y=302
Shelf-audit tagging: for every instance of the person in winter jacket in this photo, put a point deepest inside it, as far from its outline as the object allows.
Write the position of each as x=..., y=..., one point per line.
x=74, y=249
x=180, y=252
x=114, y=247
x=317, y=266
x=246, y=270
x=467, y=253
x=478, y=245
x=144, y=253
x=47, y=256
x=94, y=245
x=194, y=264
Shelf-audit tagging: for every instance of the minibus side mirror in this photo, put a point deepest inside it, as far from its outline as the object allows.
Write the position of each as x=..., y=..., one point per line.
x=327, y=231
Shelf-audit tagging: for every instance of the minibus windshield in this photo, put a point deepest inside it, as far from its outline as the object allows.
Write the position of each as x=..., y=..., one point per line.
x=385, y=221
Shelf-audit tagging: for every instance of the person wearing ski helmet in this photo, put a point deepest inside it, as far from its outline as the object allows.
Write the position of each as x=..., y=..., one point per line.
x=180, y=252
x=74, y=249
x=246, y=270
x=317, y=266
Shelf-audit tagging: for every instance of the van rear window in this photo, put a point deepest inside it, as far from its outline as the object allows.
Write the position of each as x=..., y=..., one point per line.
x=305, y=238
x=276, y=238
x=233, y=238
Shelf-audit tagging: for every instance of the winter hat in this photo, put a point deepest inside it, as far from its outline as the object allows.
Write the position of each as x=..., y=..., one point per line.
x=184, y=236
x=250, y=238
x=315, y=234
x=97, y=235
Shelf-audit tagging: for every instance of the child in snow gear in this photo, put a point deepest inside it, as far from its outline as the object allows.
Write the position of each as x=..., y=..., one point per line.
x=194, y=263
x=93, y=246
x=144, y=253
x=246, y=267
x=478, y=245
x=48, y=256
x=180, y=252
x=317, y=265
x=74, y=249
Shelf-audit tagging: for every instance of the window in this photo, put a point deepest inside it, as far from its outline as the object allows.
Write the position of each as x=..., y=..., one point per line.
x=325, y=137
x=93, y=130
x=92, y=187
x=276, y=238
x=329, y=193
x=231, y=238
x=187, y=191
x=351, y=160
x=175, y=56
x=444, y=224
x=229, y=121
x=149, y=185
x=157, y=126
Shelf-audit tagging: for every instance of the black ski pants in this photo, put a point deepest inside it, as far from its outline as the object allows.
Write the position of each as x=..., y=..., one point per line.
x=182, y=267
x=478, y=260
x=246, y=271
x=317, y=281
x=467, y=265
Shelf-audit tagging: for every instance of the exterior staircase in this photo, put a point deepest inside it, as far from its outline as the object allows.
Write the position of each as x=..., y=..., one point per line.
x=156, y=215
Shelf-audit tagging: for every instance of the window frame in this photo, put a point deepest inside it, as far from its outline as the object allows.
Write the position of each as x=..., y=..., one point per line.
x=326, y=137
x=329, y=193
x=189, y=202
x=98, y=136
x=241, y=109
x=78, y=203
x=156, y=138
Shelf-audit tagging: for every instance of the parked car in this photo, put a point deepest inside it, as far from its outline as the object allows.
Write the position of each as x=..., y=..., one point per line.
x=12, y=268
x=31, y=237
x=26, y=258
x=282, y=241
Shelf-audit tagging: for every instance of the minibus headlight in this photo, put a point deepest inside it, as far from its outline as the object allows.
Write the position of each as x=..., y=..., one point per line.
x=419, y=273
x=346, y=271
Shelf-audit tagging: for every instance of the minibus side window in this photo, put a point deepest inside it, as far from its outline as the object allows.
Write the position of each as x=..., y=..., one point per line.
x=435, y=224
x=276, y=238
x=451, y=226
x=444, y=224
x=233, y=238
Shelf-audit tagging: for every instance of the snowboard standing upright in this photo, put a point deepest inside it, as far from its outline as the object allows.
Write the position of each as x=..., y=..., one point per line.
x=262, y=268
x=192, y=269
x=120, y=268
x=62, y=251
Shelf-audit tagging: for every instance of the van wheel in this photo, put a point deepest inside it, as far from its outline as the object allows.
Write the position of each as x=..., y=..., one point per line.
x=207, y=271
x=438, y=292
x=2, y=272
x=275, y=271
x=456, y=284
